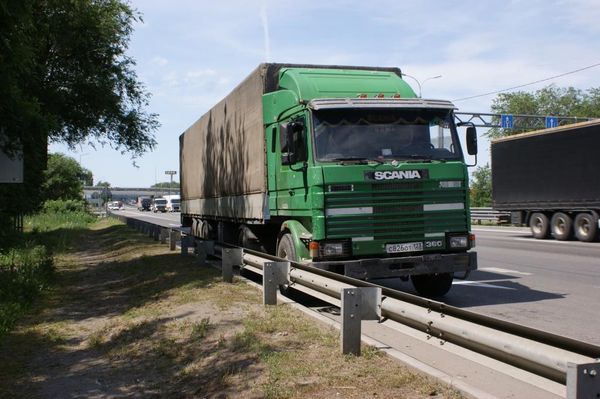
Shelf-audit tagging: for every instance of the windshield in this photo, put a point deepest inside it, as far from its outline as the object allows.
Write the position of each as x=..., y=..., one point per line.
x=160, y=201
x=174, y=201
x=343, y=134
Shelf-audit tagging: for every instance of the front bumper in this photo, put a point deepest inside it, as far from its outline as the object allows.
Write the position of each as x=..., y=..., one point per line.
x=368, y=269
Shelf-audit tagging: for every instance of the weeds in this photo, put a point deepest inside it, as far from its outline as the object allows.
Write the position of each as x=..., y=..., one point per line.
x=26, y=262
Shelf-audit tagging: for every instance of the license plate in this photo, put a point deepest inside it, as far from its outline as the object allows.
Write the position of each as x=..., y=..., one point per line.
x=405, y=247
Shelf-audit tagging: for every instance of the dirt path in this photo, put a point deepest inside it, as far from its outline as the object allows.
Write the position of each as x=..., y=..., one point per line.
x=128, y=318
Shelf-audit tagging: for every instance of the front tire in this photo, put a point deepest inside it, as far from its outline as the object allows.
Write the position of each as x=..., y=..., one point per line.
x=539, y=225
x=432, y=285
x=586, y=227
x=286, y=250
x=562, y=226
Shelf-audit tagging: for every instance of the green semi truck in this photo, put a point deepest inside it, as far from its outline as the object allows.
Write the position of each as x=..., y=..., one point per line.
x=339, y=167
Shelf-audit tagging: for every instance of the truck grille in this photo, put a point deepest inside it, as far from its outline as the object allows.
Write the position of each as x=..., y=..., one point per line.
x=400, y=211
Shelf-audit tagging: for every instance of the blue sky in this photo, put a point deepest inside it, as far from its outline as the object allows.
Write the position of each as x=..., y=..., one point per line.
x=190, y=54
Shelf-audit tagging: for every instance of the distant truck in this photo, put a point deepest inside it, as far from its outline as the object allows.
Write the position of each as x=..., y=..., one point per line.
x=159, y=205
x=548, y=180
x=173, y=202
x=342, y=168
x=144, y=203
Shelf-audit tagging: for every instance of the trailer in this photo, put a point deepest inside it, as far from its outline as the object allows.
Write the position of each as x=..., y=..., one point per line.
x=548, y=180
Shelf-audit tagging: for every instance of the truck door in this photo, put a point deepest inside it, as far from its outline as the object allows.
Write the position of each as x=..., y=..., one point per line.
x=291, y=179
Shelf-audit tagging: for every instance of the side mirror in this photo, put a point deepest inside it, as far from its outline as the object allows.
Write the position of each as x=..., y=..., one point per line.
x=472, y=140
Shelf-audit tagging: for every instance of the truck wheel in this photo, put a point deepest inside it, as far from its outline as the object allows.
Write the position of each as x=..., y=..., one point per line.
x=540, y=227
x=286, y=250
x=432, y=285
x=586, y=227
x=562, y=226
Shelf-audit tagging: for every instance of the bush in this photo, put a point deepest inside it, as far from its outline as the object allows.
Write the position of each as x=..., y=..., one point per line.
x=64, y=206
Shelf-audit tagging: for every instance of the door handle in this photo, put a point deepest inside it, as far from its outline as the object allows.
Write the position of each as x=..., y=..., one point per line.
x=291, y=192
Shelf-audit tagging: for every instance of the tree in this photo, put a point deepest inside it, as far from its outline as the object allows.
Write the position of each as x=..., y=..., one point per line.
x=550, y=100
x=64, y=178
x=65, y=77
x=103, y=184
x=69, y=70
x=481, y=187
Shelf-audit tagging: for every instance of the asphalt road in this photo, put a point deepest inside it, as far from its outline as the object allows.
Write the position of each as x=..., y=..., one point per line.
x=550, y=285
x=545, y=284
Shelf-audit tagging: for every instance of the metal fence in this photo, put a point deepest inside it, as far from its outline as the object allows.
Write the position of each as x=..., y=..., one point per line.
x=489, y=215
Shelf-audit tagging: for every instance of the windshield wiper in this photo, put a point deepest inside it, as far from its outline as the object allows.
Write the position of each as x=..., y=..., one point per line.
x=418, y=158
x=345, y=160
x=359, y=160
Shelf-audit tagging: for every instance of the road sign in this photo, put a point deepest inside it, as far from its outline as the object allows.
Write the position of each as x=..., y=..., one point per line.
x=506, y=121
x=170, y=172
x=551, y=121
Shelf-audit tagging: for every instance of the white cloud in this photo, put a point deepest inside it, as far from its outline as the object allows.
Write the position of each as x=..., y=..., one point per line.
x=160, y=61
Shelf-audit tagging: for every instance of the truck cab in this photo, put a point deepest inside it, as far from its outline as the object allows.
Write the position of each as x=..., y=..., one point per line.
x=373, y=186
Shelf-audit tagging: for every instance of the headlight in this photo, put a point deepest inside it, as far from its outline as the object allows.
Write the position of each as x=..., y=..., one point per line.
x=329, y=249
x=332, y=249
x=459, y=242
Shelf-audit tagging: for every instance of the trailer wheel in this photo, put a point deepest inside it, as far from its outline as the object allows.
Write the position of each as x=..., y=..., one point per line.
x=586, y=227
x=432, y=285
x=562, y=226
x=540, y=226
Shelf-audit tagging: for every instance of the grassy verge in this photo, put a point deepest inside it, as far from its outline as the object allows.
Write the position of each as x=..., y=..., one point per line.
x=26, y=259
x=130, y=318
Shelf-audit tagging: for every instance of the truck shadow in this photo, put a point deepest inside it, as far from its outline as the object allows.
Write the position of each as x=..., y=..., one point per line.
x=483, y=288
x=488, y=288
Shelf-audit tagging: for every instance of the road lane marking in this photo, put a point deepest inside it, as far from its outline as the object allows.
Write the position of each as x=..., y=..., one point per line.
x=503, y=271
x=475, y=229
x=482, y=284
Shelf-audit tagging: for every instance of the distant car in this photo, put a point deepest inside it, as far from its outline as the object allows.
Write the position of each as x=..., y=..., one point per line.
x=114, y=206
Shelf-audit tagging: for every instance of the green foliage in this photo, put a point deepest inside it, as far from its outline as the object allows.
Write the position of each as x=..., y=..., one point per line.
x=65, y=77
x=481, y=187
x=166, y=185
x=102, y=184
x=64, y=206
x=26, y=263
x=66, y=68
x=24, y=273
x=550, y=100
x=64, y=178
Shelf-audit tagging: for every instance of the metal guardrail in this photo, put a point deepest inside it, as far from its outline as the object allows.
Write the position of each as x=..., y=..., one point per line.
x=489, y=215
x=571, y=362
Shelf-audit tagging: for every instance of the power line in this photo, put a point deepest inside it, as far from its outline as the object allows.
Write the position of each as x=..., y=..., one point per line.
x=529, y=84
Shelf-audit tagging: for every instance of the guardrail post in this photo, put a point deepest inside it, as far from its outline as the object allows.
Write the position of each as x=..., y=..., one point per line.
x=230, y=257
x=274, y=274
x=173, y=235
x=358, y=304
x=583, y=380
x=163, y=235
x=200, y=251
x=186, y=242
